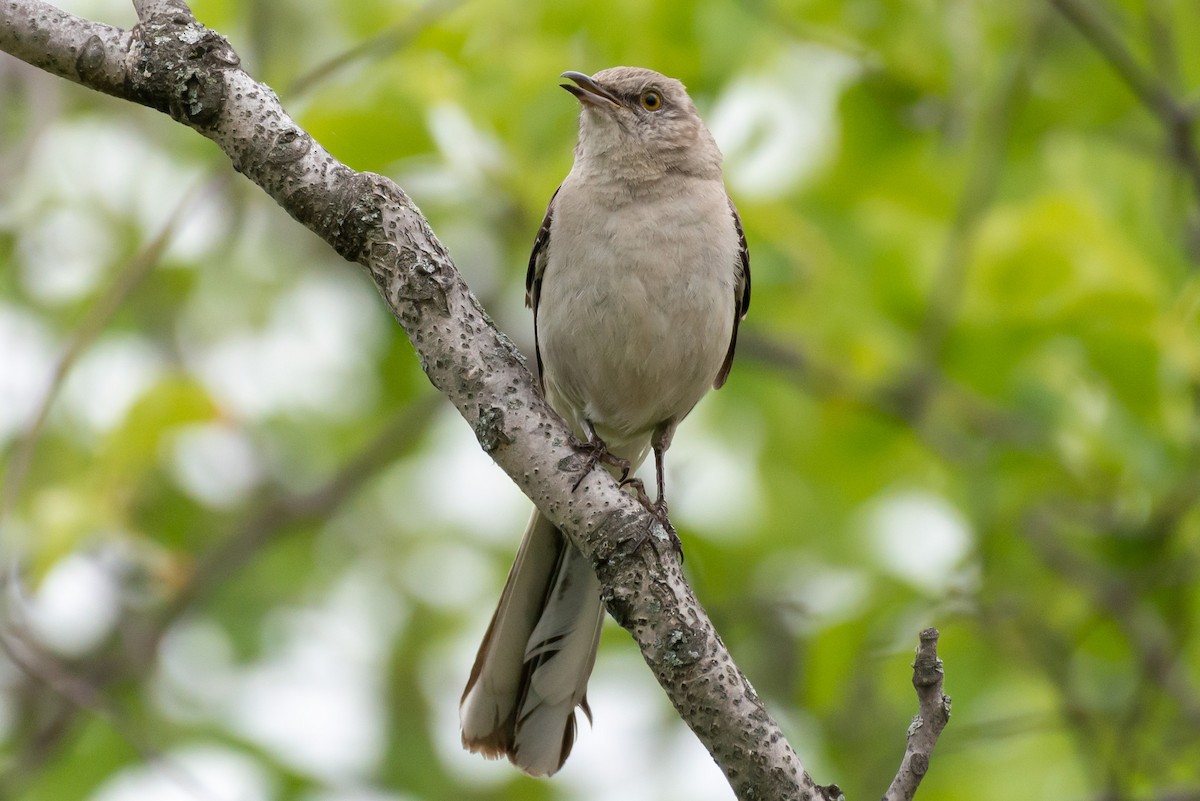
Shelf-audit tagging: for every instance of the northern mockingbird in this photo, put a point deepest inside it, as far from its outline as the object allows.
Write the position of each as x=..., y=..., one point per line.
x=638, y=278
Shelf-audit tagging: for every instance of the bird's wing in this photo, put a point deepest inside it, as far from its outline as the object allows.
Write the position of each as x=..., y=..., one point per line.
x=741, y=292
x=533, y=277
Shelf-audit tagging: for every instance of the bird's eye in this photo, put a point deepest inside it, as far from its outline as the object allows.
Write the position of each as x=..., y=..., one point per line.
x=651, y=100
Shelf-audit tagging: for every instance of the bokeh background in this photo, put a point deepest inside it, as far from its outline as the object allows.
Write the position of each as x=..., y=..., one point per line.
x=249, y=552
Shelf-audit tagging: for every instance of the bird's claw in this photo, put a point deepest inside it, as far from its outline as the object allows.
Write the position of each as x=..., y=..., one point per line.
x=658, y=509
x=596, y=452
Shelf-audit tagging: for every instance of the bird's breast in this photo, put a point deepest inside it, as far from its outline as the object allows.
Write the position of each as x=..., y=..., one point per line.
x=636, y=308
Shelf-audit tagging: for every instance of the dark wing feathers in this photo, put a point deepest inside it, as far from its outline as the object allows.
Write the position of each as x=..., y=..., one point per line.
x=533, y=277
x=741, y=296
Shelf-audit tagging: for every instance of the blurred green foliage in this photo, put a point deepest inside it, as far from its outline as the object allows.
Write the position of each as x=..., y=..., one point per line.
x=966, y=396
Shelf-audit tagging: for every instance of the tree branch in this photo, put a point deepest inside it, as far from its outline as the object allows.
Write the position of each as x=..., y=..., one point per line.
x=97, y=316
x=934, y=714
x=385, y=42
x=264, y=525
x=1148, y=635
x=1155, y=94
x=978, y=194
x=80, y=694
x=88, y=53
x=277, y=514
x=172, y=63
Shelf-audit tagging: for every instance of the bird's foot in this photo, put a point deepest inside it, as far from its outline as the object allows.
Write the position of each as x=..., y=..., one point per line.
x=596, y=452
x=658, y=509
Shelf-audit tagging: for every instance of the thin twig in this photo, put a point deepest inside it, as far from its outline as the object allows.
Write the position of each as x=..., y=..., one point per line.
x=383, y=43
x=97, y=317
x=275, y=515
x=1158, y=656
x=1176, y=115
x=985, y=421
x=1161, y=39
x=83, y=695
x=934, y=714
x=979, y=191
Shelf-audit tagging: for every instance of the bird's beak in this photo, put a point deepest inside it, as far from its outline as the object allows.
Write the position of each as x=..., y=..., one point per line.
x=589, y=92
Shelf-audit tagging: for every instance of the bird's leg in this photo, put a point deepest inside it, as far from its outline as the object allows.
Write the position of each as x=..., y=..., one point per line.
x=660, y=442
x=658, y=508
x=660, y=505
x=597, y=453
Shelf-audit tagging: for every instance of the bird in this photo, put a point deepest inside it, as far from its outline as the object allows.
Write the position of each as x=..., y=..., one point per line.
x=638, y=279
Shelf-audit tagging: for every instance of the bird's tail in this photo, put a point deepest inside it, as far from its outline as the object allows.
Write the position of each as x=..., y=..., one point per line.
x=533, y=665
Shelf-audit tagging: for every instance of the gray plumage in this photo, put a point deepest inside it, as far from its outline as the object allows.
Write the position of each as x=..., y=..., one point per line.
x=638, y=278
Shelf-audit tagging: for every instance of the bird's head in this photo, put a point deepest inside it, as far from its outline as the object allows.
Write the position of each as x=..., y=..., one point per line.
x=641, y=125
